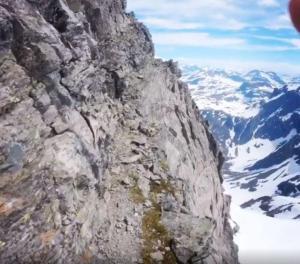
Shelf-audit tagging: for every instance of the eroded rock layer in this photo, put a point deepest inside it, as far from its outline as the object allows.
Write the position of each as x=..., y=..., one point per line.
x=103, y=155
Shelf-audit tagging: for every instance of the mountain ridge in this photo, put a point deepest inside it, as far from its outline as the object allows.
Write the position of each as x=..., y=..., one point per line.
x=104, y=156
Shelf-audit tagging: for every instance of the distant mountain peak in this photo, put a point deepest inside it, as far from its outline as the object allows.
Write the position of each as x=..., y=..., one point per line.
x=216, y=89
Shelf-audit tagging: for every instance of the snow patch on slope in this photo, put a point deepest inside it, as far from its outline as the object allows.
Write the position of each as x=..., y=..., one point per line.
x=244, y=156
x=263, y=239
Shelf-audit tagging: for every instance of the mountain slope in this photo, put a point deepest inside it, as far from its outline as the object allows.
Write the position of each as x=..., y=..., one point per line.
x=267, y=154
x=103, y=156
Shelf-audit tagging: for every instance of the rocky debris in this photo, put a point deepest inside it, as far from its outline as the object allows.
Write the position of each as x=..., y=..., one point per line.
x=192, y=239
x=157, y=256
x=103, y=156
x=131, y=159
x=14, y=159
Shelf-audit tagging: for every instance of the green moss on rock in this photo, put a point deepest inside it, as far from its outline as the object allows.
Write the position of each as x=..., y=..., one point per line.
x=136, y=195
x=164, y=166
x=155, y=235
x=162, y=187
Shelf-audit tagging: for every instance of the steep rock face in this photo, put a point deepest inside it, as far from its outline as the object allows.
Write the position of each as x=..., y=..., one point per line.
x=103, y=156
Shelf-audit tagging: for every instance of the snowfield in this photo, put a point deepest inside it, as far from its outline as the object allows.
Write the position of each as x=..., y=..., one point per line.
x=265, y=240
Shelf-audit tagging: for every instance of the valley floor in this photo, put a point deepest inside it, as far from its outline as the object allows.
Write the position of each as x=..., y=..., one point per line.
x=266, y=240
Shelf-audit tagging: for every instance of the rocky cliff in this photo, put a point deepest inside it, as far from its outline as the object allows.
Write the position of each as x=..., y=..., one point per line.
x=103, y=155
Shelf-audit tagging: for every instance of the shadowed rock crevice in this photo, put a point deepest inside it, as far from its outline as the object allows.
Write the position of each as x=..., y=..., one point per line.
x=183, y=129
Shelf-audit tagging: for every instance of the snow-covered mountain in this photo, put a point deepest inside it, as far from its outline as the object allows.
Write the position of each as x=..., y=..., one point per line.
x=264, y=157
x=231, y=92
x=256, y=120
x=294, y=83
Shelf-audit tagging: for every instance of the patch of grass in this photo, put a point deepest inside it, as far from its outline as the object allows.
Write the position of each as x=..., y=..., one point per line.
x=162, y=187
x=48, y=237
x=26, y=218
x=133, y=176
x=136, y=195
x=153, y=232
x=164, y=166
x=2, y=244
x=152, y=228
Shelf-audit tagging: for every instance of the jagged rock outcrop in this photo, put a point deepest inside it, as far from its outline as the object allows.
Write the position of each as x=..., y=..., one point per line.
x=104, y=158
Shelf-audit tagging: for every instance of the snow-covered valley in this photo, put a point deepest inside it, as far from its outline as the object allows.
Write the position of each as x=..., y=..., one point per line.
x=262, y=239
x=255, y=117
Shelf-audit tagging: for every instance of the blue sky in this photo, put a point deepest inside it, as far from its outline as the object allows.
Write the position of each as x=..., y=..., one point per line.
x=234, y=34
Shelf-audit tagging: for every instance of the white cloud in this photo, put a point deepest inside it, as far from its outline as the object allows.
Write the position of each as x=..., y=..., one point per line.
x=201, y=12
x=170, y=24
x=202, y=39
x=294, y=43
x=279, y=22
x=189, y=39
x=267, y=48
x=268, y=3
x=219, y=14
x=180, y=9
x=232, y=24
x=179, y=25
